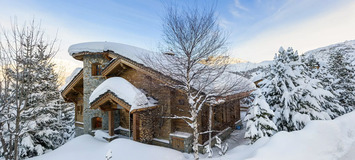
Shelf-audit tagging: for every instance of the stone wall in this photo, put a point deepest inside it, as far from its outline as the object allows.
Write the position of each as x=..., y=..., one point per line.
x=158, y=91
x=90, y=83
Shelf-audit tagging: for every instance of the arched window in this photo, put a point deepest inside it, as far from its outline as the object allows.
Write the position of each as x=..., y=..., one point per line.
x=96, y=69
x=96, y=123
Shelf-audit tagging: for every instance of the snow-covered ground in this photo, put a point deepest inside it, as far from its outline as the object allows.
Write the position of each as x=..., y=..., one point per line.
x=319, y=140
x=86, y=147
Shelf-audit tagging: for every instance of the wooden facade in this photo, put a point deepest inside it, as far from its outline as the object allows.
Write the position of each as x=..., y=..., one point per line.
x=148, y=123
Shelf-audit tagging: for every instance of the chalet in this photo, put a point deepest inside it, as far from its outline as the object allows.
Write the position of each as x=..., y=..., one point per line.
x=116, y=92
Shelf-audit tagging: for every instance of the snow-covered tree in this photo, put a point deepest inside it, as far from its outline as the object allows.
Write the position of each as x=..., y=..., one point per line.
x=41, y=108
x=259, y=119
x=32, y=115
x=191, y=37
x=342, y=79
x=320, y=72
x=294, y=97
x=67, y=120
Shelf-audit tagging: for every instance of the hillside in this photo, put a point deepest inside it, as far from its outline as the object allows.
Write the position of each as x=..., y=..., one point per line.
x=322, y=54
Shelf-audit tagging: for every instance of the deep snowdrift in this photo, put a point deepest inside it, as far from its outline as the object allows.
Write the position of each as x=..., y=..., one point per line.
x=86, y=147
x=319, y=140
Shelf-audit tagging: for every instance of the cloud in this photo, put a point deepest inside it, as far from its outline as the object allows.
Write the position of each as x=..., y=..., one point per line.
x=239, y=5
x=321, y=30
x=237, y=9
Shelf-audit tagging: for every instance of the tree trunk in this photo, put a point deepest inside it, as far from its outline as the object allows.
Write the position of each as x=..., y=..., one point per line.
x=16, y=140
x=195, y=140
x=210, y=126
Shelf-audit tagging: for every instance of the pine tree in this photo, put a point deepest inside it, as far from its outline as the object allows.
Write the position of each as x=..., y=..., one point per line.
x=294, y=97
x=41, y=110
x=67, y=120
x=316, y=71
x=51, y=117
x=259, y=119
x=31, y=107
x=342, y=79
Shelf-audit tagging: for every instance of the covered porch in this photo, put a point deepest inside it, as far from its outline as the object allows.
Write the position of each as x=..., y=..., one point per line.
x=117, y=94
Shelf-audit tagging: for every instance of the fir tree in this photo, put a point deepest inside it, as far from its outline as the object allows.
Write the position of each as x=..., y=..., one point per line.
x=67, y=120
x=294, y=97
x=342, y=80
x=31, y=107
x=316, y=71
x=45, y=107
x=259, y=119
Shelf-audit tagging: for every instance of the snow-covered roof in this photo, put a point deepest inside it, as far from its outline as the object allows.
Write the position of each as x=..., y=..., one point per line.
x=135, y=54
x=124, y=90
x=125, y=50
x=75, y=72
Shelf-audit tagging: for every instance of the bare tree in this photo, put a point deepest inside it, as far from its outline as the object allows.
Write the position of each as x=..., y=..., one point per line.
x=194, y=54
x=17, y=47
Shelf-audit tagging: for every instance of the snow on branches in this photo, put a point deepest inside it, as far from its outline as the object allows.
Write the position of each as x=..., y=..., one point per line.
x=259, y=119
x=292, y=94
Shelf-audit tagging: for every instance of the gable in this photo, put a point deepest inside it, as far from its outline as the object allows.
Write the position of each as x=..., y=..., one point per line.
x=73, y=88
x=121, y=63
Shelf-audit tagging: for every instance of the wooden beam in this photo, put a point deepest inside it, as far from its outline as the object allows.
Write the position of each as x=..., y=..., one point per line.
x=135, y=127
x=110, y=123
x=71, y=85
x=123, y=66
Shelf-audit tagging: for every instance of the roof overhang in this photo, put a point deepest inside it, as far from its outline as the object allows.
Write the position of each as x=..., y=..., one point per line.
x=109, y=97
x=107, y=54
x=73, y=85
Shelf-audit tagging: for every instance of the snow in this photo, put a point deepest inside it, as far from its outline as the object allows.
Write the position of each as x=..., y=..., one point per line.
x=180, y=134
x=121, y=128
x=125, y=91
x=102, y=135
x=86, y=147
x=322, y=54
x=71, y=77
x=127, y=51
x=249, y=65
x=319, y=140
x=161, y=140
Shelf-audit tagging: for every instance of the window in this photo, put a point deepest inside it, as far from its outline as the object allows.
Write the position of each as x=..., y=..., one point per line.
x=96, y=69
x=96, y=123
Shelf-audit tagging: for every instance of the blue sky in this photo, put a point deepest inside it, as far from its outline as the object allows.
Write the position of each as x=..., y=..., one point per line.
x=257, y=27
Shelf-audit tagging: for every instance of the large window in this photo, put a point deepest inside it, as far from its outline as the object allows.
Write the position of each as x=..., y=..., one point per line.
x=96, y=69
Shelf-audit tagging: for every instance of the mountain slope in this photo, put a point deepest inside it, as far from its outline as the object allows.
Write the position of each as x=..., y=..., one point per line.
x=322, y=54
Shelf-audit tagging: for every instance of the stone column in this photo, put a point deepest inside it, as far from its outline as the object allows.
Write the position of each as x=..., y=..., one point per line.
x=90, y=83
